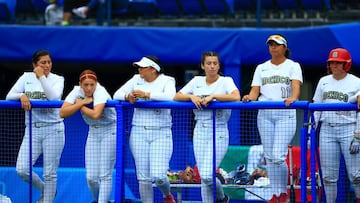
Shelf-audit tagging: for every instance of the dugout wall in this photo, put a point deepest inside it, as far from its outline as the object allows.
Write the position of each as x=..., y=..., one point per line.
x=72, y=184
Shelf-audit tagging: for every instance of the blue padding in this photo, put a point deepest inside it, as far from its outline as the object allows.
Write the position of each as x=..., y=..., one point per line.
x=71, y=187
x=309, y=46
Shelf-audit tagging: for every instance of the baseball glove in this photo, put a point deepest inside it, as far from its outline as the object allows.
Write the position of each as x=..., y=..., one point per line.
x=187, y=175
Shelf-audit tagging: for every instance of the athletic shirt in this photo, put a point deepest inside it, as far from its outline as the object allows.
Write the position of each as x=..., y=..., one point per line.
x=161, y=89
x=330, y=90
x=198, y=86
x=275, y=80
x=43, y=89
x=100, y=96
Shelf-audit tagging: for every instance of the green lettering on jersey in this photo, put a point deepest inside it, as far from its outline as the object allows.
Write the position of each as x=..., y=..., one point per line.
x=36, y=95
x=336, y=95
x=276, y=79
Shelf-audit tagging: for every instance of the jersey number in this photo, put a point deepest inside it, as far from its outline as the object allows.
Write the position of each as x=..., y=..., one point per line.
x=285, y=92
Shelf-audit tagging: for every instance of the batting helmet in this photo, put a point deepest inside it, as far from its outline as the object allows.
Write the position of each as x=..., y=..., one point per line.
x=340, y=55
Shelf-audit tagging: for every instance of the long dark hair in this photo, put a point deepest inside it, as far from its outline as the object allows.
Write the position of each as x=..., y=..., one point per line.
x=39, y=53
x=287, y=52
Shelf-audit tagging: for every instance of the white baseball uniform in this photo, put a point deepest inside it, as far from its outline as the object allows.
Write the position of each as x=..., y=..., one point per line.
x=100, y=149
x=47, y=130
x=151, y=137
x=336, y=132
x=203, y=132
x=276, y=127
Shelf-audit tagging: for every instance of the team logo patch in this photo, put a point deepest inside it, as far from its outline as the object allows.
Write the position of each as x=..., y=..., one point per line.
x=335, y=54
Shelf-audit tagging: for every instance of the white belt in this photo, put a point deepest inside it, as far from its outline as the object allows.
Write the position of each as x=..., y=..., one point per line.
x=152, y=127
x=44, y=124
x=209, y=125
x=337, y=124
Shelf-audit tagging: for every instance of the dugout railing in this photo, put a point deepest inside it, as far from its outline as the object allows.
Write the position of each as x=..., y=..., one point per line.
x=124, y=111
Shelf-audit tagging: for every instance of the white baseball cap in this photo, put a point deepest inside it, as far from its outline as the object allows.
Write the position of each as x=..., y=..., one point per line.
x=278, y=39
x=146, y=62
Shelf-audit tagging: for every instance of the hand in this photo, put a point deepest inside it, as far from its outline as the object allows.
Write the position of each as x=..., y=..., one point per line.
x=355, y=145
x=88, y=100
x=206, y=100
x=84, y=101
x=139, y=94
x=25, y=102
x=131, y=98
x=289, y=101
x=197, y=101
x=246, y=98
x=39, y=71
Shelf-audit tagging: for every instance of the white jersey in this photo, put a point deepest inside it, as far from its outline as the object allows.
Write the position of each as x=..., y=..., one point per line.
x=45, y=88
x=197, y=86
x=100, y=96
x=161, y=89
x=275, y=80
x=330, y=90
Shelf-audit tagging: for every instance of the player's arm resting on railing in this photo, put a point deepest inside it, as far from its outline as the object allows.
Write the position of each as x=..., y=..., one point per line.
x=18, y=90
x=94, y=113
x=253, y=95
x=68, y=109
x=295, y=85
x=179, y=96
x=233, y=96
x=17, y=93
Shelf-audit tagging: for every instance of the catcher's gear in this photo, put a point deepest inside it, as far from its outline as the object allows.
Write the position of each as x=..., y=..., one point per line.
x=340, y=55
x=355, y=145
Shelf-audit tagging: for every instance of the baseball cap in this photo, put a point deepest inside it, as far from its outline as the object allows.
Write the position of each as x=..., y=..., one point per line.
x=146, y=62
x=278, y=39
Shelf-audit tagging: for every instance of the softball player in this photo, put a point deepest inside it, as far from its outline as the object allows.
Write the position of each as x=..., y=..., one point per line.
x=338, y=127
x=100, y=146
x=151, y=137
x=47, y=127
x=278, y=79
x=201, y=90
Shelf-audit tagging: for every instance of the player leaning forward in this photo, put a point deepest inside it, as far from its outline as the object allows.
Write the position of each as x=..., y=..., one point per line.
x=338, y=127
x=90, y=99
x=47, y=128
x=151, y=137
